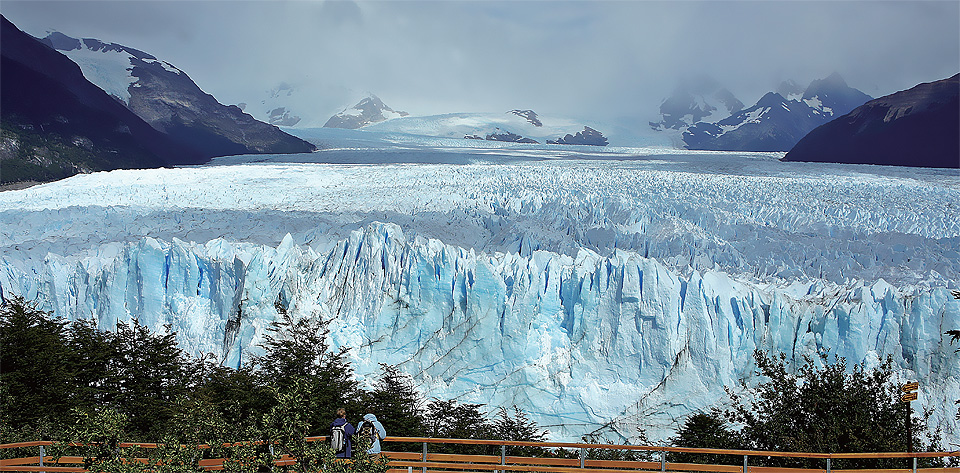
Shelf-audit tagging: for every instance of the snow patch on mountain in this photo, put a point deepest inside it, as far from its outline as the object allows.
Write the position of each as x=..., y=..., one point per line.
x=697, y=99
x=366, y=112
x=778, y=120
x=109, y=70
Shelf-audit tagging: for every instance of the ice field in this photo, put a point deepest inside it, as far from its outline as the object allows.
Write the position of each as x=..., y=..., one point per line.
x=600, y=290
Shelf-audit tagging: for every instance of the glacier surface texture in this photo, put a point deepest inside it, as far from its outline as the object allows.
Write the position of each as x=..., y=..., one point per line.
x=602, y=293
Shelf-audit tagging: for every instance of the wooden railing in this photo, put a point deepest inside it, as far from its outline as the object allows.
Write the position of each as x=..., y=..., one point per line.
x=424, y=461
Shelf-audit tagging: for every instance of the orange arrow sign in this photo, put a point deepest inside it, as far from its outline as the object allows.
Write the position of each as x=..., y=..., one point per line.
x=910, y=387
x=908, y=397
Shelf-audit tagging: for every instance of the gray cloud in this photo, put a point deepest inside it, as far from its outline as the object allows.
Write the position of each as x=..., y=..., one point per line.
x=577, y=58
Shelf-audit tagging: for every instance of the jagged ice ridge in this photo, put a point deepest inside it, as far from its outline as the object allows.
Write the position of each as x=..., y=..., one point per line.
x=598, y=296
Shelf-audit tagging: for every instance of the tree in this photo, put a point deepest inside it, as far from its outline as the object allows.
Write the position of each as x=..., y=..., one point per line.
x=828, y=408
x=238, y=396
x=93, y=363
x=515, y=425
x=449, y=419
x=34, y=370
x=704, y=430
x=298, y=350
x=152, y=374
x=97, y=436
x=288, y=424
x=397, y=404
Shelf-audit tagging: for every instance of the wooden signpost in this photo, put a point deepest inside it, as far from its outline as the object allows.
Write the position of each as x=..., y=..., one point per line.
x=909, y=394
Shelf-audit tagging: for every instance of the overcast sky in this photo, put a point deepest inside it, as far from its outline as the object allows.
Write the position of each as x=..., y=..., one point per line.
x=596, y=59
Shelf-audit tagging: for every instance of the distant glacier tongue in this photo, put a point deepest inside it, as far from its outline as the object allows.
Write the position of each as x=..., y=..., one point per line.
x=585, y=343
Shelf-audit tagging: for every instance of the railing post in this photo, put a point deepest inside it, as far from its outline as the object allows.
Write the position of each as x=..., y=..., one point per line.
x=914, y=464
x=828, y=465
x=745, y=457
x=583, y=457
x=273, y=458
x=663, y=460
x=503, y=455
x=42, y=453
x=424, y=456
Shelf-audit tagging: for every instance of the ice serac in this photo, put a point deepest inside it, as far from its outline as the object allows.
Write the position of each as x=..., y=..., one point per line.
x=588, y=344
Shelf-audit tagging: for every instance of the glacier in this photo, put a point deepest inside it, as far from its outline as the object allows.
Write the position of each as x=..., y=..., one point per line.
x=602, y=292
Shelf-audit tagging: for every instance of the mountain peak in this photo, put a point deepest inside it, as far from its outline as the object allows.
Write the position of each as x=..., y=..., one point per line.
x=529, y=115
x=699, y=98
x=913, y=127
x=368, y=111
x=195, y=119
x=833, y=83
x=61, y=42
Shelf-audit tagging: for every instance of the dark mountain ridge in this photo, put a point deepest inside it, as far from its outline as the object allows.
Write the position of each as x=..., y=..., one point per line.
x=915, y=127
x=775, y=122
x=56, y=123
x=167, y=99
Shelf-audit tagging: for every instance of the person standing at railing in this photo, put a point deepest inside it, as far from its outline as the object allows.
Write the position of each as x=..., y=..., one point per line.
x=372, y=431
x=340, y=433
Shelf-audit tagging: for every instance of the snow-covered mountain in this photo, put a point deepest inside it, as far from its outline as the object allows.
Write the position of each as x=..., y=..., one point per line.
x=366, y=112
x=915, y=127
x=588, y=136
x=776, y=122
x=55, y=123
x=167, y=99
x=699, y=99
x=605, y=295
x=527, y=124
x=279, y=111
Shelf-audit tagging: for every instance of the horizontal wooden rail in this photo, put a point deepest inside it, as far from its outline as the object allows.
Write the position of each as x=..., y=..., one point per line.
x=436, y=462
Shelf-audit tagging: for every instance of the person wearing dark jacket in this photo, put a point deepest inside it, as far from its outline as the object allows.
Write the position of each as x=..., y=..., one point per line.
x=348, y=431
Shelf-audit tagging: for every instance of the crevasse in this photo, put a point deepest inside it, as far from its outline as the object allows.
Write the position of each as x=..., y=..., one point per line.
x=587, y=344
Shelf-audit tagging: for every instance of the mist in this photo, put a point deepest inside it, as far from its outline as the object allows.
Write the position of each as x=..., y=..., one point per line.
x=604, y=60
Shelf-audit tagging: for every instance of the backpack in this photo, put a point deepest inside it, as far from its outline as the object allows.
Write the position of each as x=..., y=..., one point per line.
x=338, y=438
x=369, y=431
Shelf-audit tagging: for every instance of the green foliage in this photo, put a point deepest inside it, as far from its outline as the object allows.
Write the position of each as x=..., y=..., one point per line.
x=97, y=436
x=93, y=364
x=706, y=431
x=515, y=425
x=824, y=407
x=289, y=423
x=153, y=373
x=450, y=419
x=298, y=351
x=394, y=395
x=41, y=156
x=194, y=423
x=34, y=370
x=238, y=396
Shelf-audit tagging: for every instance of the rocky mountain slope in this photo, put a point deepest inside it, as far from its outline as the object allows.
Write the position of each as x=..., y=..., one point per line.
x=914, y=127
x=167, y=99
x=588, y=136
x=368, y=111
x=55, y=123
x=699, y=99
x=777, y=122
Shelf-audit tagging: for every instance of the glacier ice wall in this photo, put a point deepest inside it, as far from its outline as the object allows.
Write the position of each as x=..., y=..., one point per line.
x=744, y=216
x=588, y=344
